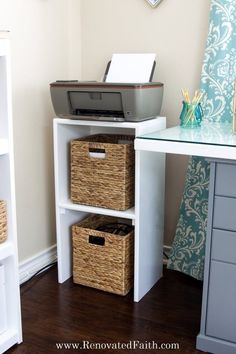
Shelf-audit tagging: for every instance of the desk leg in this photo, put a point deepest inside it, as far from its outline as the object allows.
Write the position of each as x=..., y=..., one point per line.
x=149, y=220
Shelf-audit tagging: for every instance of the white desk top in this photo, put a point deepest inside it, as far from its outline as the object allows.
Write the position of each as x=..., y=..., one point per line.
x=215, y=140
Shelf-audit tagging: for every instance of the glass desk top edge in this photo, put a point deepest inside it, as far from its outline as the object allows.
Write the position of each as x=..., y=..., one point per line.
x=208, y=134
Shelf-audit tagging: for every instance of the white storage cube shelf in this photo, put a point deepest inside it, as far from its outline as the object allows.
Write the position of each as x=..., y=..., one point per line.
x=10, y=314
x=149, y=177
x=3, y=304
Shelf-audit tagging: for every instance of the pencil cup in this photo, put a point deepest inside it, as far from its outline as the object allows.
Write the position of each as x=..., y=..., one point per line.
x=191, y=115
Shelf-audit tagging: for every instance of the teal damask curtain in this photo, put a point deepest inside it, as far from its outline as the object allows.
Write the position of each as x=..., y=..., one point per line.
x=217, y=82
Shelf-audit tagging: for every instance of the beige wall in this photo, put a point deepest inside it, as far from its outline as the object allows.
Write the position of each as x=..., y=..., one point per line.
x=38, y=36
x=53, y=39
x=176, y=31
x=41, y=45
x=75, y=42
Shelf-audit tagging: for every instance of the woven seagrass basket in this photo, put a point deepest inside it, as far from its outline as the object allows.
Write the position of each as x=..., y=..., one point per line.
x=100, y=259
x=102, y=171
x=3, y=221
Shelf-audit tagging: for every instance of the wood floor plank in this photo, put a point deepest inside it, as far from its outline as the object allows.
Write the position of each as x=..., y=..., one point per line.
x=57, y=313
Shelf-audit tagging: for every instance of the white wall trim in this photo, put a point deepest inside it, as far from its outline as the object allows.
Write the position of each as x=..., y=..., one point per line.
x=33, y=264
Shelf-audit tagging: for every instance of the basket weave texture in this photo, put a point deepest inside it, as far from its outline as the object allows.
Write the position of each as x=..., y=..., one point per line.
x=3, y=221
x=103, y=182
x=108, y=267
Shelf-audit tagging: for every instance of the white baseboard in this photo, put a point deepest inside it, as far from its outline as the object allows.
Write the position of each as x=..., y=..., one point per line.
x=166, y=249
x=33, y=264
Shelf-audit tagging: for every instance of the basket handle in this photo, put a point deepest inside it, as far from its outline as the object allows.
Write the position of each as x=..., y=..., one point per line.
x=97, y=240
x=97, y=153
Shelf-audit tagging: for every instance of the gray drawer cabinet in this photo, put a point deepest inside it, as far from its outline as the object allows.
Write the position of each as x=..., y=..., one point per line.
x=225, y=180
x=224, y=213
x=223, y=246
x=218, y=320
x=221, y=309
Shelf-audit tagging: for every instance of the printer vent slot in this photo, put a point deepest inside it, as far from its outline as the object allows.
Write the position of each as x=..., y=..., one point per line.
x=99, y=113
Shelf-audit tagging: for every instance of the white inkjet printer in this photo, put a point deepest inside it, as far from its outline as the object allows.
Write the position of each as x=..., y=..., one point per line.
x=111, y=101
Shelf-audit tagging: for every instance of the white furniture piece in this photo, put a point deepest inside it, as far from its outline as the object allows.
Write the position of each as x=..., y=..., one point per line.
x=217, y=142
x=3, y=306
x=12, y=332
x=147, y=215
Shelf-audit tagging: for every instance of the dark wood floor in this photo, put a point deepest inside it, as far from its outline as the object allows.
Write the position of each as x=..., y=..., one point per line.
x=54, y=313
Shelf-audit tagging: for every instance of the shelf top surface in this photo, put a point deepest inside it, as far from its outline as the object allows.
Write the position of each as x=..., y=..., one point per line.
x=208, y=134
x=126, y=214
x=105, y=124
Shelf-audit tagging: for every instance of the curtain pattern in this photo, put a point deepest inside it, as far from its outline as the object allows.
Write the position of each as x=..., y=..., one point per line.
x=217, y=83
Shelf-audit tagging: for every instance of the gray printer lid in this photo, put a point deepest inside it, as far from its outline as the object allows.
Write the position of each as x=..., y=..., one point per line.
x=99, y=84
